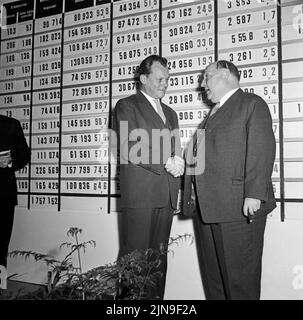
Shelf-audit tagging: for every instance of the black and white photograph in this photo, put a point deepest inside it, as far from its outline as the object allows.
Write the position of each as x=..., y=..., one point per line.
x=151, y=150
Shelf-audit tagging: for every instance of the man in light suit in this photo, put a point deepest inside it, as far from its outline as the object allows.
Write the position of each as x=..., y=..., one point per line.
x=150, y=168
x=14, y=155
x=234, y=193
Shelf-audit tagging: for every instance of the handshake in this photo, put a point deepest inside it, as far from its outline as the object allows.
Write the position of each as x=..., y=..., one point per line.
x=175, y=166
x=5, y=159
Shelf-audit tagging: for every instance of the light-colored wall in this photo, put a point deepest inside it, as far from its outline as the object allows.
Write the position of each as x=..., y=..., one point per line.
x=45, y=231
x=282, y=277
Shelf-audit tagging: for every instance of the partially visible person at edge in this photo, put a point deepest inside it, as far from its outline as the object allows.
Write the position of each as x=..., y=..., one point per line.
x=14, y=155
x=234, y=193
x=149, y=189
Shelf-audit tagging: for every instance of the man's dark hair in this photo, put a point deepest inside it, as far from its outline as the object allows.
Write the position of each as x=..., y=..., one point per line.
x=145, y=65
x=224, y=64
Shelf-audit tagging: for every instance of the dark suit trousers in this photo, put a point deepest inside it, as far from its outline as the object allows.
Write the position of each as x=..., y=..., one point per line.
x=6, y=225
x=147, y=228
x=231, y=258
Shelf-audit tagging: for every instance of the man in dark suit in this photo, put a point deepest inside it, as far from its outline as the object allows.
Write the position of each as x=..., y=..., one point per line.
x=14, y=155
x=149, y=167
x=234, y=193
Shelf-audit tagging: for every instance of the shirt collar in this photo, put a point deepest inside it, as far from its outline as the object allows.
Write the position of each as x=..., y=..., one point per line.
x=150, y=99
x=227, y=96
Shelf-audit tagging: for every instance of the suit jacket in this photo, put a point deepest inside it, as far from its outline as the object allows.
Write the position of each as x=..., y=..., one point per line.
x=12, y=138
x=146, y=184
x=239, y=156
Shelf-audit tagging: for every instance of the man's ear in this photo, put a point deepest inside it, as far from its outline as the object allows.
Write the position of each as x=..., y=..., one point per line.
x=226, y=73
x=143, y=78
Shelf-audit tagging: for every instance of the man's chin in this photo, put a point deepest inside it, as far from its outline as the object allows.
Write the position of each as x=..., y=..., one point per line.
x=210, y=98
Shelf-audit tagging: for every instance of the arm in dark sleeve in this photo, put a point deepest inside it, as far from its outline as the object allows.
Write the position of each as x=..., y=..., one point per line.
x=260, y=152
x=20, y=149
x=175, y=134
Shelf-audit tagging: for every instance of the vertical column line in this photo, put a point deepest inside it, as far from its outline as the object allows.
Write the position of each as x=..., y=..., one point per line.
x=280, y=86
x=216, y=31
x=110, y=107
x=60, y=110
x=31, y=112
x=1, y=20
x=160, y=27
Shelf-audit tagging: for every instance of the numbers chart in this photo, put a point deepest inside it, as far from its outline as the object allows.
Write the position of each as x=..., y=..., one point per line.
x=65, y=63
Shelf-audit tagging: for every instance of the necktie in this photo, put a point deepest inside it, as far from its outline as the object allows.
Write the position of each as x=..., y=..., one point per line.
x=159, y=110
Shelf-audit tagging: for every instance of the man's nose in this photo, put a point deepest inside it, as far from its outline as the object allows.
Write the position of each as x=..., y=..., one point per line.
x=165, y=82
x=203, y=83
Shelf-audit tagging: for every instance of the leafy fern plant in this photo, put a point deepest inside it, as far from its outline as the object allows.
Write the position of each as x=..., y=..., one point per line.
x=60, y=273
x=128, y=278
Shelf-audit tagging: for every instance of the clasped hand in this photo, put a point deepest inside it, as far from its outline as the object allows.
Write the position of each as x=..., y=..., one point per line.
x=175, y=166
x=5, y=161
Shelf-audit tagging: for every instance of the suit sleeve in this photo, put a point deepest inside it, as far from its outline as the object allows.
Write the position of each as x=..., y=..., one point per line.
x=261, y=148
x=125, y=114
x=20, y=150
x=176, y=142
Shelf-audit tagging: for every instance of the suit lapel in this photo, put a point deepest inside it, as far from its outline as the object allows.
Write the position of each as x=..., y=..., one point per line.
x=149, y=112
x=169, y=120
x=203, y=123
x=217, y=117
x=220, y=116
x=155, y=121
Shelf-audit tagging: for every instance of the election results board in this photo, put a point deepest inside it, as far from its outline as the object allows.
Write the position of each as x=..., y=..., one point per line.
x=55, y=80
x=65, y=64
